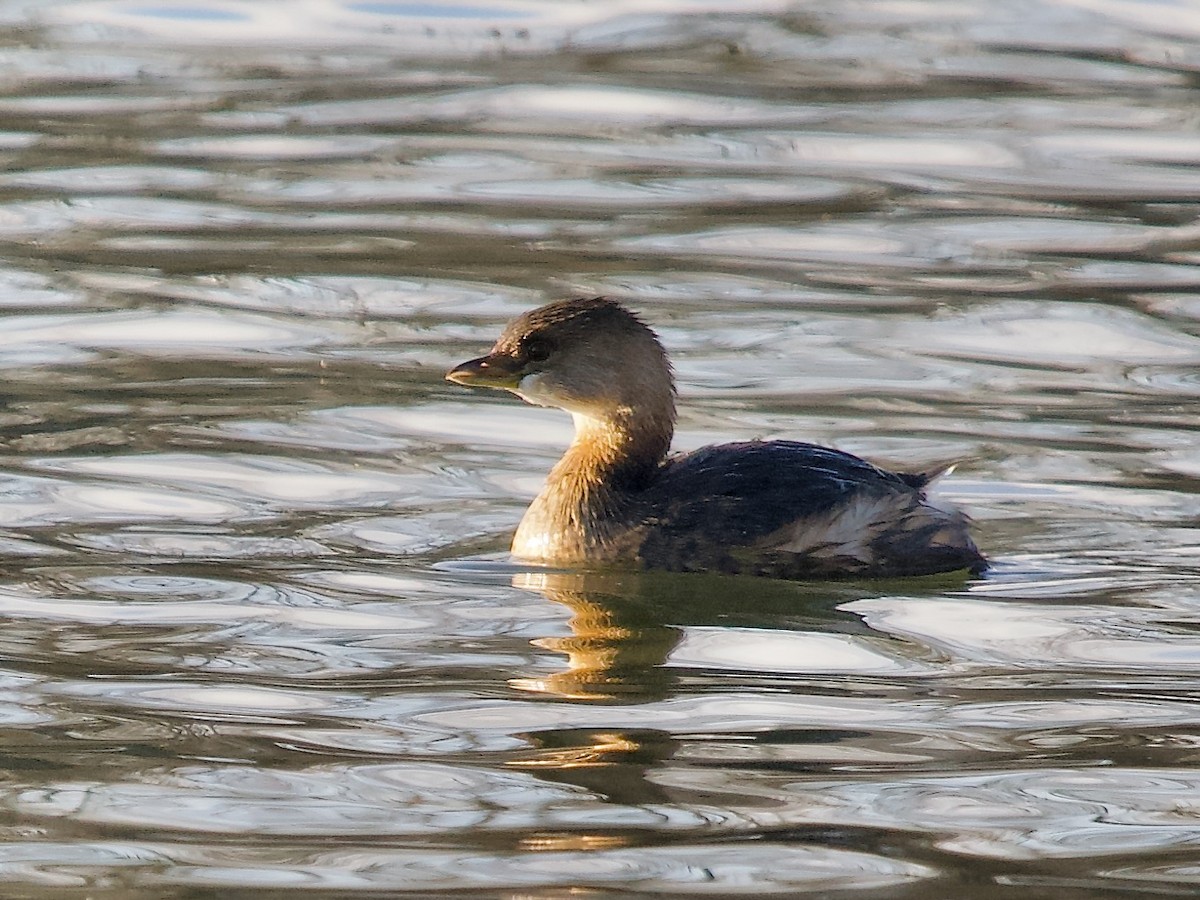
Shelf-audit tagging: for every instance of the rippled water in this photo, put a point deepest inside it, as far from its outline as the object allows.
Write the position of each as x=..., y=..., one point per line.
x=259, y=634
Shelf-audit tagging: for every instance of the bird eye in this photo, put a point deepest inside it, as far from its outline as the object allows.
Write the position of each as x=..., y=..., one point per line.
x=537, y=351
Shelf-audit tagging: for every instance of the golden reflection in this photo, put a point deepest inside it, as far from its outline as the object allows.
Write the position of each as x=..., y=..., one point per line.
x=605, y=747
x=625, y=625
x=610, y=764
x=567, y=841
x=617, y=649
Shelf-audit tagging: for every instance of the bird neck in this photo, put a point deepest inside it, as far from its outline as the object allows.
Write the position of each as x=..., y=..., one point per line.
x=589, y=498
x=619, y=450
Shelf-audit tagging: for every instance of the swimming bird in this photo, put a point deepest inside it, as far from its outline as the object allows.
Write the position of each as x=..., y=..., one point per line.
x=618, y=498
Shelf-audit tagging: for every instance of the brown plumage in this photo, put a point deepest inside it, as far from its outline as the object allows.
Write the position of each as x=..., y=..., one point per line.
x=776, y=508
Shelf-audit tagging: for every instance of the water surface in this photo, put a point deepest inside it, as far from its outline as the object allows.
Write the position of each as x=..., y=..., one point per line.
x=260, y=637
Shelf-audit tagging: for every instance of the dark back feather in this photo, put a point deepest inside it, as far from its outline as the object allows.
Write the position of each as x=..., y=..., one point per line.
x=707, y=506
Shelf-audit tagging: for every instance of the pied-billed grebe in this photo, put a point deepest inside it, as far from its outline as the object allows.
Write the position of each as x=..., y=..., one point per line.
x=776, y=508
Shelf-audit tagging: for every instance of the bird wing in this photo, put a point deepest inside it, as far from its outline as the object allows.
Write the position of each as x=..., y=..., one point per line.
x=751, y=507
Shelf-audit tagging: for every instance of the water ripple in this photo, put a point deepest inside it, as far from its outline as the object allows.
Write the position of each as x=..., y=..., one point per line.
x=261, y=631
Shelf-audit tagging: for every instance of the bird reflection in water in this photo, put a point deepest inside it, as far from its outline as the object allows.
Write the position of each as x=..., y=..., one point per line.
x=617, y=649
x=624, y=627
